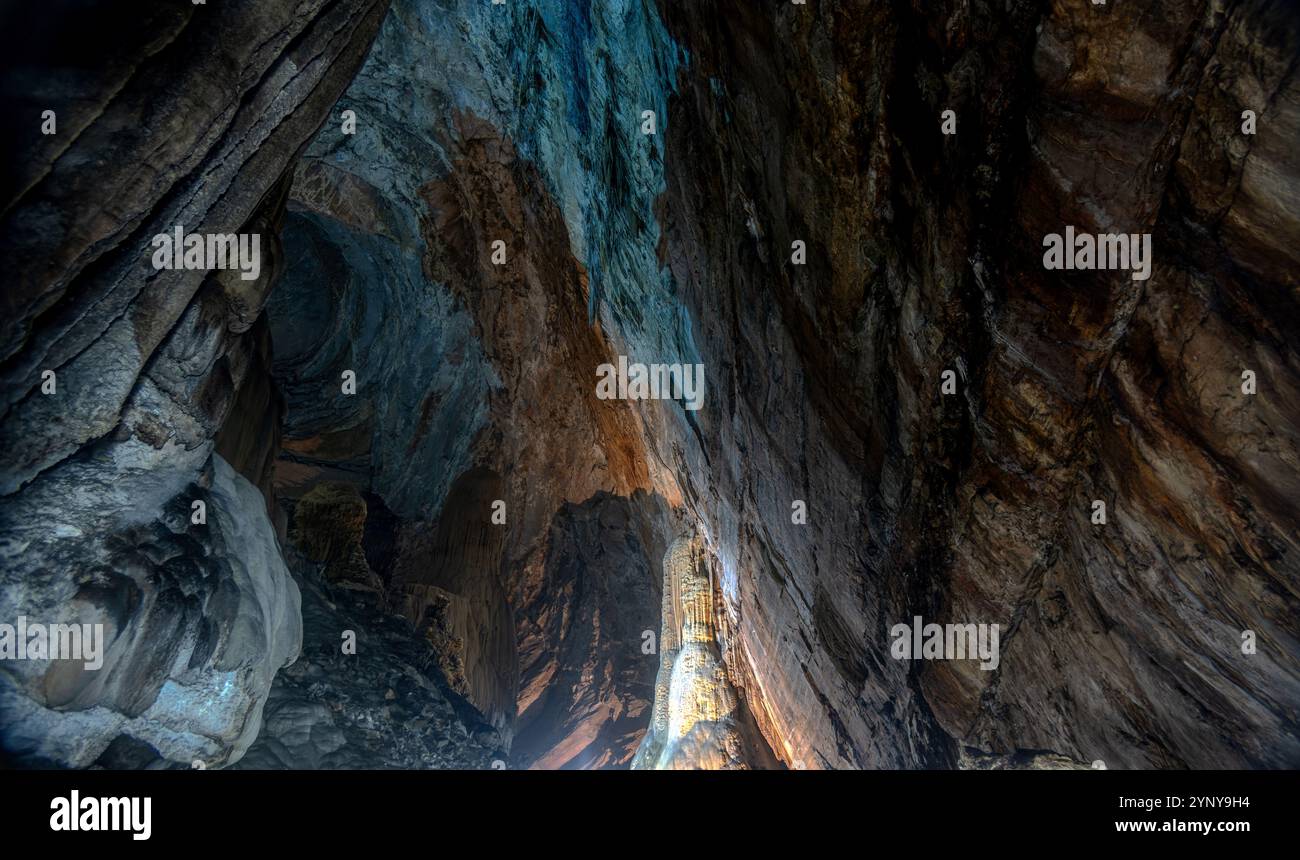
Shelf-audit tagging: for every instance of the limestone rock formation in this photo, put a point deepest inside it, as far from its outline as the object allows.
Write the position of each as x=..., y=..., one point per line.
x=500, y=222
x=924, y=254
x=175, y=116
x=329, y=524
x=196, y=623
x=698, y=722
x=473, y=380
x=587, y=625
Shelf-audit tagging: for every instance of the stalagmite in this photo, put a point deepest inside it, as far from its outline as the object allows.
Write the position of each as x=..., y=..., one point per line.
x=696, y=714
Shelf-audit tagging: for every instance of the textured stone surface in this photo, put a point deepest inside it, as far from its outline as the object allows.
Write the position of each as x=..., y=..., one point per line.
x=587, y=668
x=82, y=296
x=196, y=623
x=388, y=705
x=329, y=523
x=775, y=122
x=178, y=115
x=1122, y=642
x=475, y=380
x=698, y=721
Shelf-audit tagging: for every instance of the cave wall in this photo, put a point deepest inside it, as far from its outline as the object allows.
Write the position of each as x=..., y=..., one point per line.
x=1123, y=642
x=522, y=122
x=821, y=124
x=176, y=115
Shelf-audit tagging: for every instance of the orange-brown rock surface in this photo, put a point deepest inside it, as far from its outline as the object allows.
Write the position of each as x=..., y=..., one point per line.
x=1122, y=642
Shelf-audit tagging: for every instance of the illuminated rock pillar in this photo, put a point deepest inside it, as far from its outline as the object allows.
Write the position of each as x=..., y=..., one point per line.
x=694, y=722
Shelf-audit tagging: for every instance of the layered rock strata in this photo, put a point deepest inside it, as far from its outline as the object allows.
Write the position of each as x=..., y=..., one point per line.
x=117, y=377
x=473, y=378
x=910, y=416
x=1122, y=642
